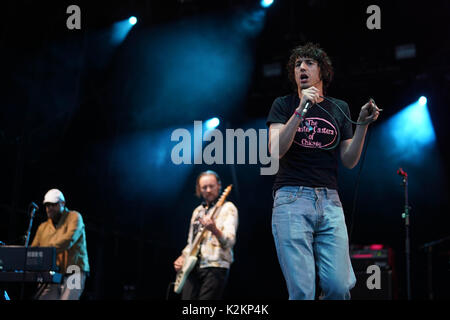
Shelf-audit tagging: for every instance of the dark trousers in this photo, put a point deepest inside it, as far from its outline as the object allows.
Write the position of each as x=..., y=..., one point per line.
x=205, y=284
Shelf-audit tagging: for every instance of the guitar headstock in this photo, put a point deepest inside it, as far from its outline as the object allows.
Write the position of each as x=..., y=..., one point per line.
x=224, y=195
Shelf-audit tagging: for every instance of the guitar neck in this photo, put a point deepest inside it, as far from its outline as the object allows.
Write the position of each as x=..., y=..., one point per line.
x=198, y=239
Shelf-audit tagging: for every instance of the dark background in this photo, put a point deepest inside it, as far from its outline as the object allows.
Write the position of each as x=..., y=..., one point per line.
x=94, y=120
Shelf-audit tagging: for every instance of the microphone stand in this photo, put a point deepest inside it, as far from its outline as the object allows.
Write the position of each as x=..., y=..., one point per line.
x=33, y=212
x=27, y=240
x=405, y=215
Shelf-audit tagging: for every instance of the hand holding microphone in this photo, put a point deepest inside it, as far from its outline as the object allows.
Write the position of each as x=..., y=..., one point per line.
x=310, y=96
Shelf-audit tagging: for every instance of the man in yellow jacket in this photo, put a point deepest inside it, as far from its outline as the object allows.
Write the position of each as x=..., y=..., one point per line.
x=65, y=231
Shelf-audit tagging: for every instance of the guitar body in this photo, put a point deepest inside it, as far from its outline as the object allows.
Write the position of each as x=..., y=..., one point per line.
x=184, y=272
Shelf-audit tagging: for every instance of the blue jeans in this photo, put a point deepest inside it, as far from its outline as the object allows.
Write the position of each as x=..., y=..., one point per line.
x=309, y=230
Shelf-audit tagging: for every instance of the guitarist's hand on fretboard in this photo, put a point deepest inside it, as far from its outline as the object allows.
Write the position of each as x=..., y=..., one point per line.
x=210, y=225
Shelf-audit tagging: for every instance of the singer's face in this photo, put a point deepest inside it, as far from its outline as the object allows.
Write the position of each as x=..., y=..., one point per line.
x=209, y=187
x=53, y=209
x=307, y=72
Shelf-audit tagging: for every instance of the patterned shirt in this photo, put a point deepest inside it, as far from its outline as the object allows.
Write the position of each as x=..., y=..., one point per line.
x=215, y=252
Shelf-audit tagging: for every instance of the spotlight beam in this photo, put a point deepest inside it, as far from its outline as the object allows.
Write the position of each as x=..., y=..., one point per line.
x=266, y=3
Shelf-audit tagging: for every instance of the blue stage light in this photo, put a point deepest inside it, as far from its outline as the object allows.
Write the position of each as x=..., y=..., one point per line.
x=422, y=100
x=121, y=29
x=212, y=123
x=132, y=20
x=410, y=132
x=266, y=3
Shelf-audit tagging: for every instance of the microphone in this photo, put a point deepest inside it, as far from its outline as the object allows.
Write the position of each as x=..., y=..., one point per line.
x=402, y=173
x=308, y=105
x=34, y=207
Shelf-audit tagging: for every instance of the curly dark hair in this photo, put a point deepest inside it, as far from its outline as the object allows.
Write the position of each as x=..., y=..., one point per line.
x=313, y=51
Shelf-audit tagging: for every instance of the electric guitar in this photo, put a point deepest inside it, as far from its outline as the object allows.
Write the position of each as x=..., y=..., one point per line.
x=191, y=259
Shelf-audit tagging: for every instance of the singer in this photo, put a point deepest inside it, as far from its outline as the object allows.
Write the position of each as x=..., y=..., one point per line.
x=308, y=223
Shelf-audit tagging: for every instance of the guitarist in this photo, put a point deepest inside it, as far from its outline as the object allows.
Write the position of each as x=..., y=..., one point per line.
x=208, y=278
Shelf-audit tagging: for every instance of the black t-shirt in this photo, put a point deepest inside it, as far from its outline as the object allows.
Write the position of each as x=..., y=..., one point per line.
x=307, y=162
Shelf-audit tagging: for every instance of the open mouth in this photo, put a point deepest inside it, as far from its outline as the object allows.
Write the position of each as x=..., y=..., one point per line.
x=304, y=77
